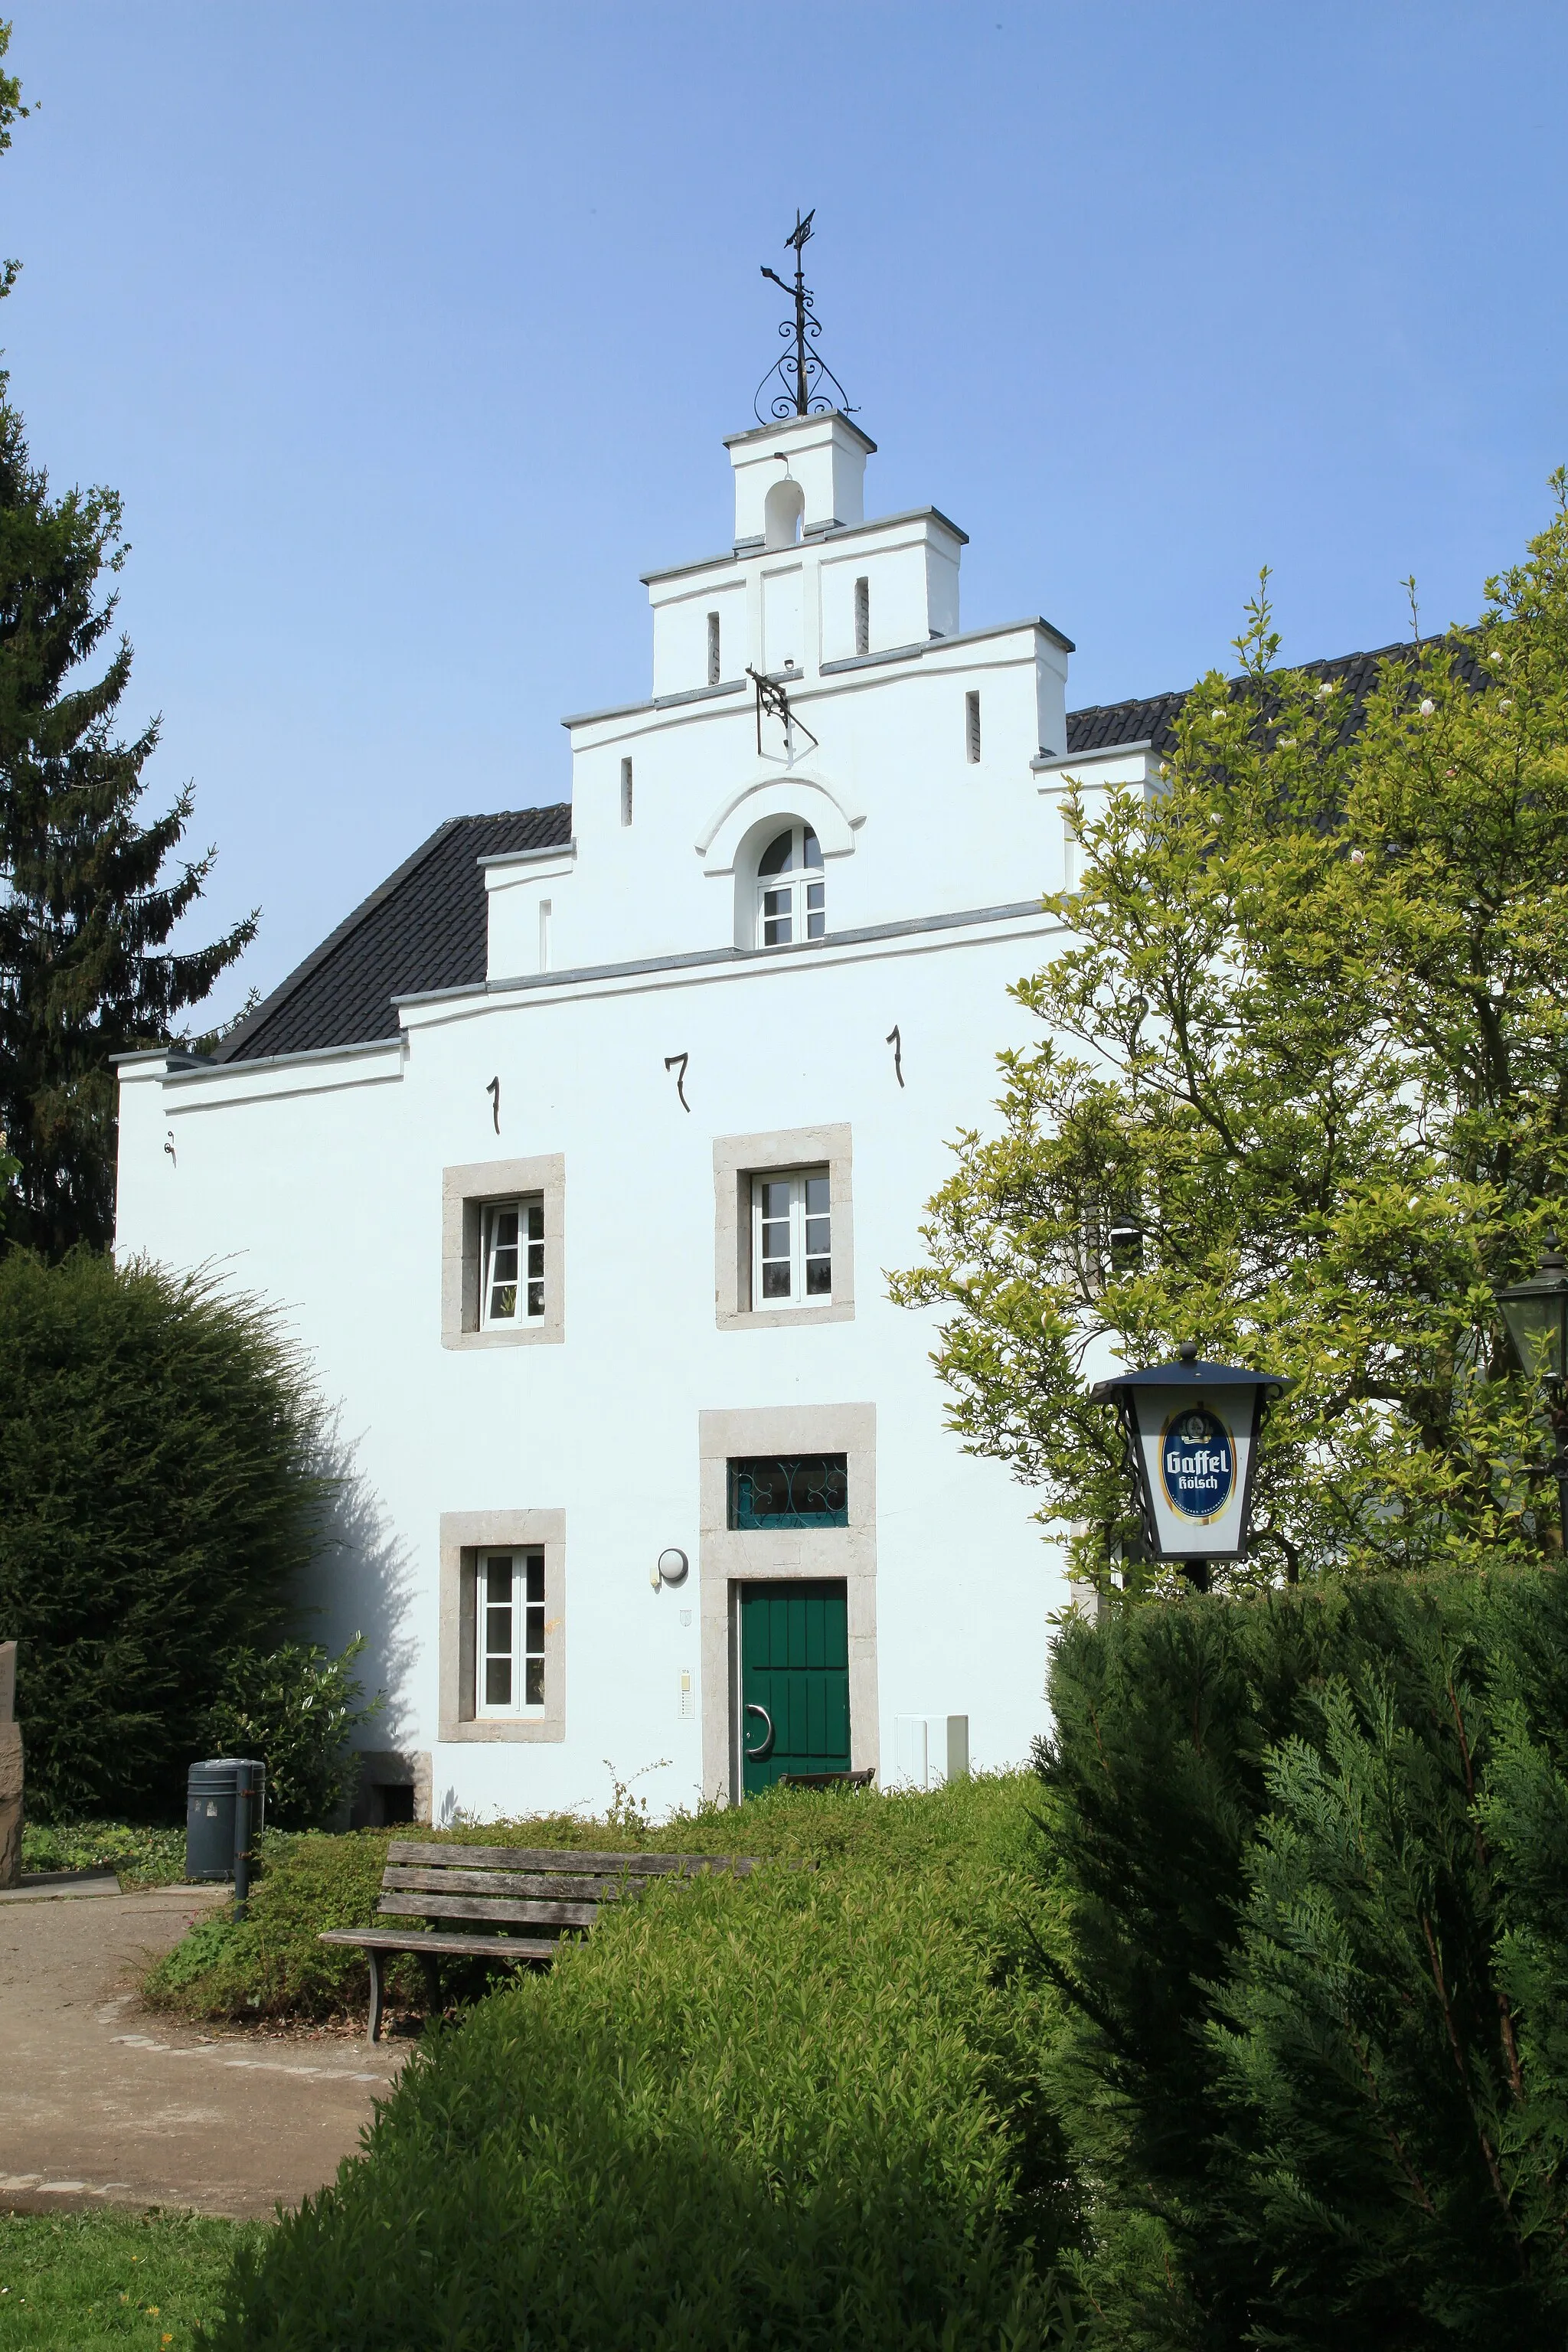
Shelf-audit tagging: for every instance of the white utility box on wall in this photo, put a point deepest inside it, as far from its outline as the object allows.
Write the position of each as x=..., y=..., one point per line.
x=932, y=1750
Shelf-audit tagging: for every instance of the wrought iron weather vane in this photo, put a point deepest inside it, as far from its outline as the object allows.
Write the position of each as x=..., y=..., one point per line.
x=793, y=386
x=772, y=702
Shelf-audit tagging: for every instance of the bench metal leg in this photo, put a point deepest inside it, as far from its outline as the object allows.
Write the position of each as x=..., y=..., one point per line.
x=372, y=2027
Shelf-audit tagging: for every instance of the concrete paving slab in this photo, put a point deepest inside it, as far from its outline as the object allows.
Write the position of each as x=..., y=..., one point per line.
x=103, y=2099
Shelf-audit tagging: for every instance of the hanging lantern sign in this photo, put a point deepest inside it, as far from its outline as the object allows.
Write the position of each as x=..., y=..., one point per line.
x=1191, y=1432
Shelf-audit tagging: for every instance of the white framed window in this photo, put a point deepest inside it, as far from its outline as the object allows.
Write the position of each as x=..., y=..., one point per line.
x=792, y=1238
x=792, y=893
x=503, y=1253
x=512, y=1267
x=509, y=1653
x=811, y=1238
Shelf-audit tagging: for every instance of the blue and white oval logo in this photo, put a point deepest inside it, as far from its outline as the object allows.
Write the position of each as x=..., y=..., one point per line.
x=1197, y=1463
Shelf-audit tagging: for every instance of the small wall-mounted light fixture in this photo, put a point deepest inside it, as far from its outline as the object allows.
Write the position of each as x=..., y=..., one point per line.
x=670, y=1568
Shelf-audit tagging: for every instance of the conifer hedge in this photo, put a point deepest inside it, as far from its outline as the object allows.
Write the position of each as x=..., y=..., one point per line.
x=159, y=1496
x=1315, y=1855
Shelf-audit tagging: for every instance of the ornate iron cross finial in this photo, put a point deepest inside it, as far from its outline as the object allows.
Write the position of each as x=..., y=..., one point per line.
x=800, y=370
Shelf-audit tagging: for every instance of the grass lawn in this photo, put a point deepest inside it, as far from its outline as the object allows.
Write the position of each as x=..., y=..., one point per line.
x=74, y=2282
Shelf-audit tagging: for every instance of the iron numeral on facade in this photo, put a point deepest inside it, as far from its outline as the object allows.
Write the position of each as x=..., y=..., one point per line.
x=677, y=1062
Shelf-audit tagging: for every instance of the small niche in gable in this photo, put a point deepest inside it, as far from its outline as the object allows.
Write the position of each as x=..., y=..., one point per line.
x=783, y=514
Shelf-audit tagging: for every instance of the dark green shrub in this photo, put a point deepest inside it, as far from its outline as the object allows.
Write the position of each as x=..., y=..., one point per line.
x=158, y=1498
x=1317, y=1945
x=800, y=2110
x=294, y=1708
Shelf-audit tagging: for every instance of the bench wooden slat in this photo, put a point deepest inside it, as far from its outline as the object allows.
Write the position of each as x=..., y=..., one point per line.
x=430, y=1855
x=486, y=1906
x=539, y=1885
x=399, y=1939
x=509, y=1885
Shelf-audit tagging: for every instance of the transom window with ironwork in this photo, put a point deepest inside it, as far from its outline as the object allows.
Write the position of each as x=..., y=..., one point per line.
x=791, y=896
x=802, y=1490
x=509, y=1632
x=511, y=1272
x=792, y=1238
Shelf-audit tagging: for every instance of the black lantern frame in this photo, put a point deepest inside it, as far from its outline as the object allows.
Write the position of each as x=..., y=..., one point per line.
x=1152, y=1398
x=1536, y=1314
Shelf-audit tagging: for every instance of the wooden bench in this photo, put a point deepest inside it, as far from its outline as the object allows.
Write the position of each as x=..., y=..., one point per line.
x=491, y=1892
x=827, y=1780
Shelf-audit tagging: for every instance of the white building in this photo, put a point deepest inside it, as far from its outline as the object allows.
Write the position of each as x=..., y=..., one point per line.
x=576, y=1155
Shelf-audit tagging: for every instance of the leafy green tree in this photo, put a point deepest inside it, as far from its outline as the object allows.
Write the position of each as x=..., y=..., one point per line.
x=87, y=908
x=294, y=1708
x=161, y=1495
x=1302, y=1099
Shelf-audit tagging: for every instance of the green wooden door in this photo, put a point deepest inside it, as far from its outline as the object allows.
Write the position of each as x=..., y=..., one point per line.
x=795, y=1681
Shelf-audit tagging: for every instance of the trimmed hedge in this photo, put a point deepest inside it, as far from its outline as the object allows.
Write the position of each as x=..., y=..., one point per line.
x=800, y=2109
x=271, y=1965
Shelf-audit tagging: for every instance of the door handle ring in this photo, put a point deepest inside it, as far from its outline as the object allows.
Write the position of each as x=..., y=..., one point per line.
x=757, y=1755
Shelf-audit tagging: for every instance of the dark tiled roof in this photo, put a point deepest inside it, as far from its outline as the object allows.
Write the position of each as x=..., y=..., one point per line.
x=1150, y=720
x=424, y=928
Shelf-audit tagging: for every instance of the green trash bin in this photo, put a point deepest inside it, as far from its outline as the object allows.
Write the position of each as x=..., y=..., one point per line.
x=215, y=1790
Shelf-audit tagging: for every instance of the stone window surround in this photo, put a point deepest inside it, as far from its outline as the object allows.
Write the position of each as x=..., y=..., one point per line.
x=464, y=1193
x=730, y=1557
x=737, y=1159
x=464, y=1535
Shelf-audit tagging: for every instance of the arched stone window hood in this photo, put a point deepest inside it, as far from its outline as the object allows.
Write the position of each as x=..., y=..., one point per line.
x=748, y=822
x=777, y=800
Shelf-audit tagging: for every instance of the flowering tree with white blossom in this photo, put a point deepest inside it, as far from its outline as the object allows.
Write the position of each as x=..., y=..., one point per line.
x=1302, y=1097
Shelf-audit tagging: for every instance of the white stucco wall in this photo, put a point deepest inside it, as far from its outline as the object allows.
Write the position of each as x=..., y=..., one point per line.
x=316, y=1181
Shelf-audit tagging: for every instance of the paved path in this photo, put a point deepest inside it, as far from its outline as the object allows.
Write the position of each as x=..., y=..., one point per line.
x=100, y=2097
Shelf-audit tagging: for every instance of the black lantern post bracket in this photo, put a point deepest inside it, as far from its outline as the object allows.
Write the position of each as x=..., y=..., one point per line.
x=1536, y=1314
x=1192, y=1429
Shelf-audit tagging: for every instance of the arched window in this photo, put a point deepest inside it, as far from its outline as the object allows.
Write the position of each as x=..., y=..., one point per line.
x=791, y=896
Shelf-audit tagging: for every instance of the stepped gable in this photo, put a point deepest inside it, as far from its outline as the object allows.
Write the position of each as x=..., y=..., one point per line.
x=424, y=927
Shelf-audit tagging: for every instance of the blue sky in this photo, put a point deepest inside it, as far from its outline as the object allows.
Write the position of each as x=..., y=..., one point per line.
x=409, y=335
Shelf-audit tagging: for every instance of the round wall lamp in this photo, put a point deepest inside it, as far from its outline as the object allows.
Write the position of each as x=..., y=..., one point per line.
x=670, y=1568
